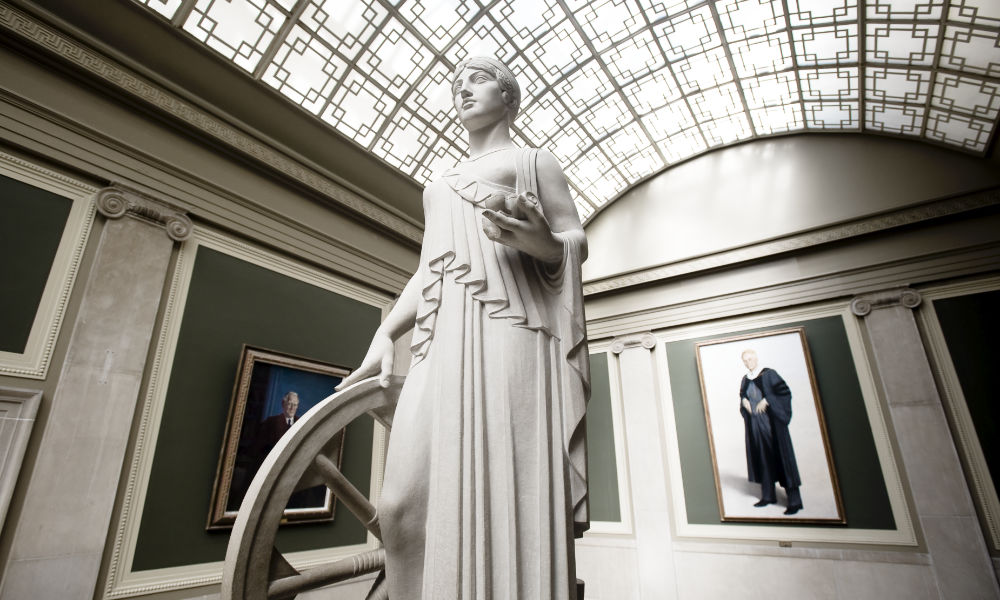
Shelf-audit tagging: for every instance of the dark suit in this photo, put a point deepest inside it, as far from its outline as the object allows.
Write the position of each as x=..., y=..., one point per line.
x=270, y=431
x=770, y=456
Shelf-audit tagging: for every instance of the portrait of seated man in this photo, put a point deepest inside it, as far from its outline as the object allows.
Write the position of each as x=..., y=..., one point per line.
x=273, y=427
x=766, y=407
x=269, y=432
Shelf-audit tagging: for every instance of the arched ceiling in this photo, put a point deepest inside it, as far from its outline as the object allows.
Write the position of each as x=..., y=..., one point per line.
x=619, y=89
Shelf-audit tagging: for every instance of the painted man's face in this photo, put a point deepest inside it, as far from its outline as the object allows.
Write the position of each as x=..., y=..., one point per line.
x=750, y=360
x=478, y=99
x=290, y=407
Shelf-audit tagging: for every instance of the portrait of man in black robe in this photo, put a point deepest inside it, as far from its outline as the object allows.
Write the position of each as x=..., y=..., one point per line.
x=766, y=407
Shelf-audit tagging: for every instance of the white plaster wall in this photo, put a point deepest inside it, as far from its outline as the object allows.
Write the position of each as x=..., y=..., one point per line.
x=772, y=188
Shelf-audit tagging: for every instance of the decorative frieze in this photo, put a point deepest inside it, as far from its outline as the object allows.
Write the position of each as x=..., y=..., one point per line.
x=19, y=24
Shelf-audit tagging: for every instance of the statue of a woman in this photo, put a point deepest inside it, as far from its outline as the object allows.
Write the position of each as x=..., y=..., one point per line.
x=485, y=480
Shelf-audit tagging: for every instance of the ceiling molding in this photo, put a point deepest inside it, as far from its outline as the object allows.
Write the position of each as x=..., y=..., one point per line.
x=824, y=235
x=40, y=35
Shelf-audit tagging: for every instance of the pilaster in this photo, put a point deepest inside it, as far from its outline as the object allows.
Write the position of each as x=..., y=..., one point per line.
x=959, y=558
x=644, y=448
x=75, y=477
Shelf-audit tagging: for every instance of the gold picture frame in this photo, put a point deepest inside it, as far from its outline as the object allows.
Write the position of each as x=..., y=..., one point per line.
x=270, y=385
x=750, y=448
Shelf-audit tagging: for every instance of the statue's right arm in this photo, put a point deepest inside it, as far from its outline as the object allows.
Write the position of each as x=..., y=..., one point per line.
x=378, y=361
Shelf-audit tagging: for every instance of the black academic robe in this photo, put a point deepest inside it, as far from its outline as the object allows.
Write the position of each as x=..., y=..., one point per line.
x=270, y=430
x=770, y=456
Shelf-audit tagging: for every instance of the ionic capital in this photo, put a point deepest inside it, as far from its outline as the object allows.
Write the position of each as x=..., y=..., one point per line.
x=864, y=304
x=647, y=340
x=115, y=202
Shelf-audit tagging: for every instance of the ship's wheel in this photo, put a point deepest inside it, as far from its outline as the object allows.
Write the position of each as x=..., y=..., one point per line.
x=254, y=568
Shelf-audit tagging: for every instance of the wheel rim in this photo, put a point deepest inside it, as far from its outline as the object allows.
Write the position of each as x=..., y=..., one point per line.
x=254, y=569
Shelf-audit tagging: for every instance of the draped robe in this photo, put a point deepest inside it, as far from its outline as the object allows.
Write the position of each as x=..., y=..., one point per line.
x=485, y=482
x=770, y=455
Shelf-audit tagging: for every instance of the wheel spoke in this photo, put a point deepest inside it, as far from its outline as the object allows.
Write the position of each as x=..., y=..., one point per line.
x=355, y=501
x=342, y=570
x=380, y=589
x=279, y=566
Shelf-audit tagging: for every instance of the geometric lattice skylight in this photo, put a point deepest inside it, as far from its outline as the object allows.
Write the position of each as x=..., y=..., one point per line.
x=619, y=89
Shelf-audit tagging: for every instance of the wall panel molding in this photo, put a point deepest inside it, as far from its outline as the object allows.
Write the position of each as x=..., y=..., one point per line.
x=121, y=580
x=33, y=363
x=18, y=408
x=602, y=532
x=903, y=535
x=981, y=483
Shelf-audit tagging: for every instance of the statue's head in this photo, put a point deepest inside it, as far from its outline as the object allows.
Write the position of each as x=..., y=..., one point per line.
x=510, y=92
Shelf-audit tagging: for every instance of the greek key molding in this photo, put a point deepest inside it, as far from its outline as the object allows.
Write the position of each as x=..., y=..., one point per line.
x=906, y=216
x=647, y=340
x=862, y=306
x=115, y=202
x=24, y=26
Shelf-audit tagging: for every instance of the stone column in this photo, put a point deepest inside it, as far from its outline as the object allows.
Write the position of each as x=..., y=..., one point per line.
x=951, y=531
x=63, y=526
x=644, y=446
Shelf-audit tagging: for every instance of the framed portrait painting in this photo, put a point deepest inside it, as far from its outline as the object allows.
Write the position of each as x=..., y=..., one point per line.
x=766, y=430
x=272, y=392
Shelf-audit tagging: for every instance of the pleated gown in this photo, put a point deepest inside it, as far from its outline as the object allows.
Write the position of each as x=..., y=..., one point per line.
x=485, y=480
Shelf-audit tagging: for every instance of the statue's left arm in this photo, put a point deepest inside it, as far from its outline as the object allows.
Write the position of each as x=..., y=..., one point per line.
x=541, y=224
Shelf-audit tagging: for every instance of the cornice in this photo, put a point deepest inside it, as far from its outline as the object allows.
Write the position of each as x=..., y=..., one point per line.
x=825, y=235
x=25, y=27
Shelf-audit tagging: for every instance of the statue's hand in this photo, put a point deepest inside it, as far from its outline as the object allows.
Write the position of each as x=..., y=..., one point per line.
x=378, y=362
x=526, y=229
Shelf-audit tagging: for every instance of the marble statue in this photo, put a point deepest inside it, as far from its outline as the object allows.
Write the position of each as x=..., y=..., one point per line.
x=485, y=482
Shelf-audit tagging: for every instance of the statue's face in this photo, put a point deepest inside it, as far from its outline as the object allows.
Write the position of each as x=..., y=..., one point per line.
x=478, y=99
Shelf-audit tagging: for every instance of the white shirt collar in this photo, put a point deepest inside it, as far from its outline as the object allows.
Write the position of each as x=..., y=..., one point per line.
x=755, y=373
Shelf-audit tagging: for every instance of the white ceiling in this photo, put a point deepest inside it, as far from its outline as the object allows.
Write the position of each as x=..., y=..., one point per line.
x=619, y=89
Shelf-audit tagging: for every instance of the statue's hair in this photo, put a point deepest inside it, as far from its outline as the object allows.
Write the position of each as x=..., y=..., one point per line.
x=505, y=77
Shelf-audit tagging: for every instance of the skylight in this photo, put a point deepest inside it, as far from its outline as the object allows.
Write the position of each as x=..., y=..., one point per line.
x=619, y=89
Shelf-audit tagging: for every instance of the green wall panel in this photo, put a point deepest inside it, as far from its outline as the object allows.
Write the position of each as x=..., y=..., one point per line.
x=230, y=303
x=30, y=230
x=602, y=468
x=971, y=327
x=862, y=488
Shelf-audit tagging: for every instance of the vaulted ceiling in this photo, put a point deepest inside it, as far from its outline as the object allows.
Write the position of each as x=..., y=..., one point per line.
x=618, y=89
